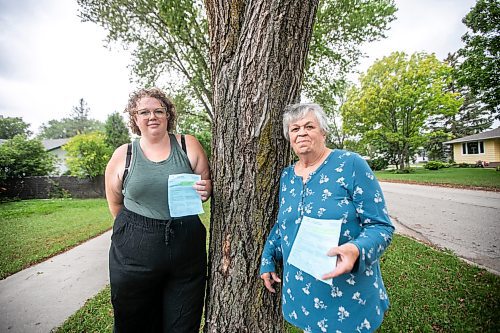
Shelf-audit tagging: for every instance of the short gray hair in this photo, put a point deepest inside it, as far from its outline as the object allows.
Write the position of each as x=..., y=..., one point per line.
x=298, y=111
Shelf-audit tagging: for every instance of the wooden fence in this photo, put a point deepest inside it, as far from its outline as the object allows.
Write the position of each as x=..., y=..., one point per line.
x=46, y=187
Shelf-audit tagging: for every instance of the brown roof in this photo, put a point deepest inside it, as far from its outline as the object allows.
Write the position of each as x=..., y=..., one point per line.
x=481, y=136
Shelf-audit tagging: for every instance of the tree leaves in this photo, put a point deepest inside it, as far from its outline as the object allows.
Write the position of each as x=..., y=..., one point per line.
x=22, y=157
x=116, y=131
x=397, y=96
x=480, y=69
x=87, y=155
x=12, y=126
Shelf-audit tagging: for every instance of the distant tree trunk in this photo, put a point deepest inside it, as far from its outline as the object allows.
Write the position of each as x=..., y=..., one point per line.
x=258, y=50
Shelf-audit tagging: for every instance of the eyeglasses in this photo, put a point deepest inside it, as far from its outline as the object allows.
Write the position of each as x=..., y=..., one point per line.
x=159, y=113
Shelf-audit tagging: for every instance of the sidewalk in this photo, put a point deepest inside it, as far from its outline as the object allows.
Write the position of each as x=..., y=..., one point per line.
x=43, y=296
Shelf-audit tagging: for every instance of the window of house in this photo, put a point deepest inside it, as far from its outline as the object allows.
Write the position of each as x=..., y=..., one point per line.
x=473, y=147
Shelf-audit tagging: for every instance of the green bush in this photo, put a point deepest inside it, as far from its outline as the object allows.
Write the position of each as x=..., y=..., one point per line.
x=404, y=171
x=22, y=157
x=435, y=165
x=87, y=155
x=378, y=164
x=463, y=165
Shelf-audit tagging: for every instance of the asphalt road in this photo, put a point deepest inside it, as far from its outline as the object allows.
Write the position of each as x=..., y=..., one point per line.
x=466, y=222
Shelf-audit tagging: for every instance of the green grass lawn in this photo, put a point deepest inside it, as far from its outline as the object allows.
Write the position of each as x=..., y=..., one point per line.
x=461, y=177
x=430, y=290
x=34, y=230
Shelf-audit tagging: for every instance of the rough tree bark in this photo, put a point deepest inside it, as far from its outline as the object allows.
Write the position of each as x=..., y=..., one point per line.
x=258, y=50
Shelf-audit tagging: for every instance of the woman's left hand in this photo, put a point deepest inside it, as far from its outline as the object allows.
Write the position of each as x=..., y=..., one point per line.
x=347, y=254
x=204, y=188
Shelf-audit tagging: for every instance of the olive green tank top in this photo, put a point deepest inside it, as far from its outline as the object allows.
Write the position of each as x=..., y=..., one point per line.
x=145, y=190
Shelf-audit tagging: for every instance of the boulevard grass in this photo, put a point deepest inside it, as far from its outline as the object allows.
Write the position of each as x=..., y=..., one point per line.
x=430, y=290
x=486, y=178
x=34, y=230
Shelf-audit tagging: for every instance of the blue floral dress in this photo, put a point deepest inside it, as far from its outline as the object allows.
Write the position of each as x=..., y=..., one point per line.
x=342, y=188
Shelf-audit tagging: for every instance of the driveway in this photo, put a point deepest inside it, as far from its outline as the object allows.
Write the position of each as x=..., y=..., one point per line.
x=465, y=221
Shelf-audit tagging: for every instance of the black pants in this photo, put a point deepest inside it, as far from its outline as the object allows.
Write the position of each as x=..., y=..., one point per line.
x=158, y=273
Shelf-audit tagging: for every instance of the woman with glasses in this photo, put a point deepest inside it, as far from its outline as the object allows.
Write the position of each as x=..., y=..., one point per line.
x=157, y=263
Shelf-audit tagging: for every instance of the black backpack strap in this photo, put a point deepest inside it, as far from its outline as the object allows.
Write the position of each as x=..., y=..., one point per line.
x=183, y=143
x=127, y=163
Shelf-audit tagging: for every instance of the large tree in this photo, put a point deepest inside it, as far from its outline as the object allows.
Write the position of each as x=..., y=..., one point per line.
x=12, y=126
x=395, y=99
x=77, y=123
x=480, y=69
x=472, y=117
x=257, y=57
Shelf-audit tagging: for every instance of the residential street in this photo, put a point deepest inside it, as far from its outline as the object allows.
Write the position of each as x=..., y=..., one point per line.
x=464, y=221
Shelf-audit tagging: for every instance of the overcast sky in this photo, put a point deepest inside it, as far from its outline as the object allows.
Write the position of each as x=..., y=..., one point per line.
x=49, y=59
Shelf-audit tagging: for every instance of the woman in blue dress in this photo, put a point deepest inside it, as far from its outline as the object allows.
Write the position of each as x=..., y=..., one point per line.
x=328, y=186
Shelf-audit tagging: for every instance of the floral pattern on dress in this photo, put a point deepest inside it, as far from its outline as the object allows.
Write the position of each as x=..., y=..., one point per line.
x=342, y=188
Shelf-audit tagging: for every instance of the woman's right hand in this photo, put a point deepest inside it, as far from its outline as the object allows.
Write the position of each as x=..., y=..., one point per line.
x=269, y=279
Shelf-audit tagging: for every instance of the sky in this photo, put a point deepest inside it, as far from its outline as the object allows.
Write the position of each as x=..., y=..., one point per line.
x=49, y=59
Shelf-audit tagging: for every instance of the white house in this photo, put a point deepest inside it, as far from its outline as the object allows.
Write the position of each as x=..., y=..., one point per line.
x=54, y=146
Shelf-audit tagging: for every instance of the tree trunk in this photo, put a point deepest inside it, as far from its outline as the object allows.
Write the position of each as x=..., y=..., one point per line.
x=258, y=51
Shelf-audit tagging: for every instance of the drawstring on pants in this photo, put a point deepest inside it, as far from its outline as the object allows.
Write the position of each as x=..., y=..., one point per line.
x=168, y=231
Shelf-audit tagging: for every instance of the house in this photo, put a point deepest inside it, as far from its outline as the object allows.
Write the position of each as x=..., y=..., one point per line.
x=54, y=146
x=483, y=147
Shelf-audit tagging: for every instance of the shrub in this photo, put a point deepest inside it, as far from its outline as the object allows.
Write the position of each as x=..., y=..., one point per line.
x=463, y=165
x=377, y=164
x=22, y=157
x=404, y=171
x=435, y=165
x=87, y=155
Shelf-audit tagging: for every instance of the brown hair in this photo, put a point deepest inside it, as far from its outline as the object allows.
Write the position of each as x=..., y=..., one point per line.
x=154, y=93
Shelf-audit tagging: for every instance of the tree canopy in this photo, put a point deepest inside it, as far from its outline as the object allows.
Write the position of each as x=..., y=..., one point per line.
x=116, y=131
x=395, y=99
x=22, y=157
x=12, y=126
x=480, y=69
x=87, y=155
x=472, y=117
x=191, y=120
x=341, y=27
x=77, y=123
x=170, y=39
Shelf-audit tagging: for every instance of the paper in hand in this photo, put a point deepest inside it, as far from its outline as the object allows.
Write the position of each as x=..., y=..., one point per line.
x=314, y=238
x=183, y=200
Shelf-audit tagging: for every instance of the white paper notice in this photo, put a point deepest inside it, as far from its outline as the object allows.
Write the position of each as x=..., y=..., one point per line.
x=183, y=200
x=314, y=238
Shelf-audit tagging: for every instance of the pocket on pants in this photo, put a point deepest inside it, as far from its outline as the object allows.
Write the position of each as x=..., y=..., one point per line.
x=119, y=237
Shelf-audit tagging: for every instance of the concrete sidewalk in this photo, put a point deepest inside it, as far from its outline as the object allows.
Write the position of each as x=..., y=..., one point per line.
x=43, y=296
